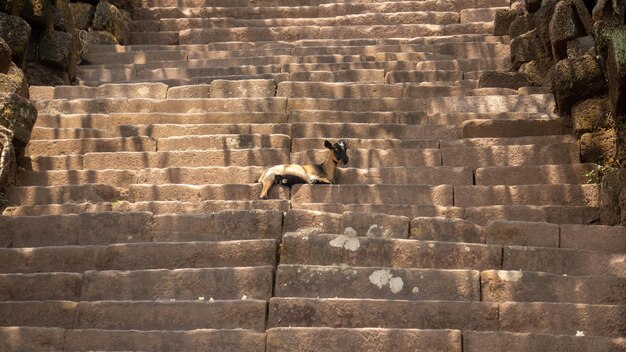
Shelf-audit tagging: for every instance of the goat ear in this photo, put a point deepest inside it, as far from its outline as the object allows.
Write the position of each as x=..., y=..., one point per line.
x=328, y=145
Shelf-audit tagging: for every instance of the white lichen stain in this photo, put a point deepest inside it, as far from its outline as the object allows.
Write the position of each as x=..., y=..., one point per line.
x=510, y=275
x=384, y=277
x=143, y=90
x=580, y=333
x=375, y=231
x=415, y=290
x=348, y=242
x=349, y=231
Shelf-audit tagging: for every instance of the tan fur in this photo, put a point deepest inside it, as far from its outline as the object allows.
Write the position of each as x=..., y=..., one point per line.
x=310, y=173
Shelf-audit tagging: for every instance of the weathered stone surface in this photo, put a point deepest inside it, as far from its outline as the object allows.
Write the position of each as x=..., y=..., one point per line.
x=8, y=163
x=18, y=115
x=5, y=56
x=92, y=37
x=598, y=147
x=522, y=233
x=616, y=71
x=297, y=220
x=612, y=198
x=16, y=33
x=590, y=114
x=525, y=48
x=503, y=20
x=57, y=50
x=513, y=80
x=39, y=74
x=14, y=82
x=376, y=225
x=445, y=229
x=506, y=341
x=580, y=46
x=63, y=17
x=83, y=14
x=571, y=75
x=603, y=238
x=108, y=18
x=521, y=25
x=539, y=72
x=39, y=13
x=569, y=21
x=542, y=20
x=243, y=89
x=34, y=339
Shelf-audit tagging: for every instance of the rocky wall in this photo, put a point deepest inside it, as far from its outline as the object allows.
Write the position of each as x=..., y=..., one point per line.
x=577, y=49
x=47, y=37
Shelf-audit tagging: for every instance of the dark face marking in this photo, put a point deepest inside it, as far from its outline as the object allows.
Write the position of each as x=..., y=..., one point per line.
x=340, y=151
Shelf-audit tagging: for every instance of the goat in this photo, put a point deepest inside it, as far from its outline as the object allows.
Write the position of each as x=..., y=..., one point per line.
x=290, y=174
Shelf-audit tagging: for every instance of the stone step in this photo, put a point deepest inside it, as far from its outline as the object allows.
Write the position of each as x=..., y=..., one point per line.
x=179, y=284
x=542, y=103
x=138, y=256
x=511, y=155
x=156, y=207
x=44, y=133
x=124, y=90
x=555, y=214
x=594, y=237
x=210, y=35
x=377, y=194
x=13, y=338
x=321, y=11
x=465, y=65
x=412, y=75
x=376, y=283
x=39, y=195
x=100, y=228
x=245, y=314
x=374, y=131
x=311, y=339
x=225, y=142
x=571, y=195
x=513, y=128
x=523, y=286
x=138, y=160
x=356, y=104
x=75, y=259
x=85, y=106
x=402, y=44
x=364, y=90
x=54, y=314
x=376, y=158
x=243, y=175
x=457, y=118
x=395, y=18
x=40, y=287
x=563, y=261
x=133, y=57
x=55, y=147
x=383, y=117
x=540, y=140
x=528, y=175
x=368, y=313
x=327, y=249
x=198, y=340
x=474, y=341
x=563, y=318
x=195, y=193
x=115, y=120
x=155, y=38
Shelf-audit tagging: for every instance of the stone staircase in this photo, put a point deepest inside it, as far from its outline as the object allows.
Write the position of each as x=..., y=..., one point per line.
x=461, y=223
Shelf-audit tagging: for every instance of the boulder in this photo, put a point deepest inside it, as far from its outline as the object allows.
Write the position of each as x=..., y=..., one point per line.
x=580, y=46
x=613, y=198
x=532, y=5
x=39, y=13
x=543, y=16
x=576, y=79
x=108, y=18
x=598, y=147
x=63, y=17
x=8, y=163
x=525, y=48
x=14, y=81
x=82, y=14
x=616, y=71
x=16, y=33
x=569, y=21
x=5, y=56
x=57, y=49
x=521, y=25
x=19, y=115
x=500, y=79
x=39, y=74
x=609, y=10
x=539, y=72
x=126, y=5
x=98, y=38
x=590, y=114
x=503, y=20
